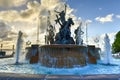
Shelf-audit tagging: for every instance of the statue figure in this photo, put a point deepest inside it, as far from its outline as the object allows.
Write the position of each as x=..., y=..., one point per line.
x=61, y=18
x=49, y=37
x=78, y=32
x=46, y=40
x=64, y=34
x=66, y=29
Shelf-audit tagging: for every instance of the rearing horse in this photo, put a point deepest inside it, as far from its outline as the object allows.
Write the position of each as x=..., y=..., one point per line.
x=65, y=31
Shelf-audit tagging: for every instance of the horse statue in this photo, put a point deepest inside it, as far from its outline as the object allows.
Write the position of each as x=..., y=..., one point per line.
x=64, y=35
x=65, y=31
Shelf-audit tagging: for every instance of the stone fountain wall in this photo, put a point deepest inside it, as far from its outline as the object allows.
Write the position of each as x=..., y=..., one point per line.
x=93, y=54
x=62, y=55
x=32, y=54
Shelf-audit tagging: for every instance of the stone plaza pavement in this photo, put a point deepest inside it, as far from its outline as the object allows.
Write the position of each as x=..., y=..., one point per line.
x=14, y=76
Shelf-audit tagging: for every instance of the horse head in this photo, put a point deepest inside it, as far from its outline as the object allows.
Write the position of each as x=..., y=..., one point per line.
x=70, y=21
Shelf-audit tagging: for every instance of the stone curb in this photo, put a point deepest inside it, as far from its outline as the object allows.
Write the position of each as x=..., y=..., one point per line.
x=16, y=76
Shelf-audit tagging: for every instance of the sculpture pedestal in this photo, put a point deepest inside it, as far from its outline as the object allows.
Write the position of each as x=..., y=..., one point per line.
x=61, y=56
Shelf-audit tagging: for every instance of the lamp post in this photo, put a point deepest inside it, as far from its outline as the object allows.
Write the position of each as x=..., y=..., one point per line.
x=86, y=24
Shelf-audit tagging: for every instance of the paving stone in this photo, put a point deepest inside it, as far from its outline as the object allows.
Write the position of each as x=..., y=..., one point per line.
x=102, y=77
x=14, y=76
x=63, y=77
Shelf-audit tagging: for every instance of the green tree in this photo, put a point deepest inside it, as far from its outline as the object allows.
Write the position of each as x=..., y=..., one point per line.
x=116, y=44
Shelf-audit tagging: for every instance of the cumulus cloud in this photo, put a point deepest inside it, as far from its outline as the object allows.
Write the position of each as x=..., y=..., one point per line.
x=100, y=9
x=24, y=15
x=12, y=3
x=9, y=16
x=118, y=16
x=111, y=36
x=51, y=4
x=27, y=20
x=88, y=21
x=108, y=18
x=34, y=9
x=101, y=39
x=7, y=33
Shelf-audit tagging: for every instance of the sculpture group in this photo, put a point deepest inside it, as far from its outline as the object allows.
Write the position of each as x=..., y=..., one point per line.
x=64, y=34
x=63, y=55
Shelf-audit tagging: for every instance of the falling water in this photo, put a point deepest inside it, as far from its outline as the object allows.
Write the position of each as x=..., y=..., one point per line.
x=107, y=47
x=18, y=46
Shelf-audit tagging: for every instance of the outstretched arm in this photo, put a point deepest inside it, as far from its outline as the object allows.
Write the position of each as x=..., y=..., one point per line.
x=58, y=20
x=56, y=11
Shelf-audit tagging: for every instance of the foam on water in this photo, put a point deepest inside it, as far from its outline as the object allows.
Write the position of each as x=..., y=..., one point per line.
x=7, y=65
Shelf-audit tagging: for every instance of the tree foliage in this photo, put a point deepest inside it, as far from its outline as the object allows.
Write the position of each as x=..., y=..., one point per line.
x=116, y=44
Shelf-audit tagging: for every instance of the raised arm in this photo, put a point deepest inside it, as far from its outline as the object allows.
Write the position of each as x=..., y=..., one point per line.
x=56, y=11
x=65, y=8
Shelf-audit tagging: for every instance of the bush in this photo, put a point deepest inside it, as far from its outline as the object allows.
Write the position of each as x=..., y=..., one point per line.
x=116, y=44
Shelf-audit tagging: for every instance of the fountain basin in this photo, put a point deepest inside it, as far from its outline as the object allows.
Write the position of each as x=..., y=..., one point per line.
x=93, y=54
x=32, y=53
x=62, y=55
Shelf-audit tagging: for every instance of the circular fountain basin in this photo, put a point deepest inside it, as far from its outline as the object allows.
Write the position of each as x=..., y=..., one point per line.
x=60, y=56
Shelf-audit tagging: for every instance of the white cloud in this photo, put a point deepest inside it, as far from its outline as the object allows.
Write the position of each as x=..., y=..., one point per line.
x=88, y=21
x=112, y=37
x=26, y=20
x=108, y=18
x=100, y=9
x=118, y=16
x=24, y=15
x=101, y=39
x=9, y=16
x=7, y=33
x=12, y=3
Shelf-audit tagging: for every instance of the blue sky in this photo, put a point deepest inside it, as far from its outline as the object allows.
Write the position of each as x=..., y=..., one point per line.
x=91, y=9
x=94, y=8
x=22, y=15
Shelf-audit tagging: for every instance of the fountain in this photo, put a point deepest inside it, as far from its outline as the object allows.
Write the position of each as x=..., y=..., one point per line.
x=18, y=47
x=107, y=50
x=61, y=51
x=61, y=55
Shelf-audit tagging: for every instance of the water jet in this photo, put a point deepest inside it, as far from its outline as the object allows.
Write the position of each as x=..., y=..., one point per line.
x=18, y=47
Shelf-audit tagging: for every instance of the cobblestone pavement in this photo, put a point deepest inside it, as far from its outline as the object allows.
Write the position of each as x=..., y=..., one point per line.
x=14, y=76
